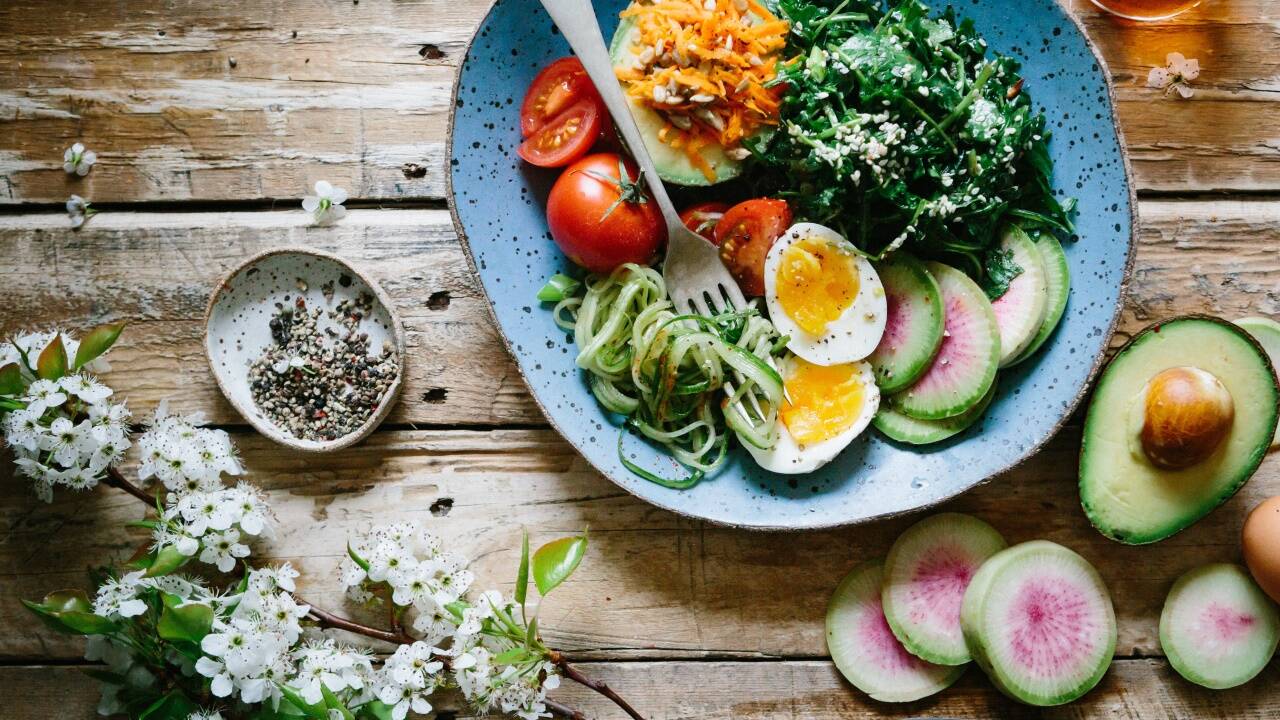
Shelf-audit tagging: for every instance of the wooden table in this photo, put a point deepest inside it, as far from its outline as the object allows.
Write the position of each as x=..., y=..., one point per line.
x=211, y=119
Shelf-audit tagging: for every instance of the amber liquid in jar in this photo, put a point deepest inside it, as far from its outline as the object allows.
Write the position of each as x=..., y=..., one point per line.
x=1147, y=9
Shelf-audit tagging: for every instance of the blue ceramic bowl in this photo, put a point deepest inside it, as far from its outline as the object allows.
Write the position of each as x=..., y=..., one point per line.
x=497, y=203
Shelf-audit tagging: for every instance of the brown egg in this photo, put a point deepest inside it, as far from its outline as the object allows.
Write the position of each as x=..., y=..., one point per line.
x=1261, y=543
x=1187, y=414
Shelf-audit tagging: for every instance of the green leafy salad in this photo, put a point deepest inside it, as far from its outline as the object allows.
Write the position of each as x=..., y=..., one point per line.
x=898, y=130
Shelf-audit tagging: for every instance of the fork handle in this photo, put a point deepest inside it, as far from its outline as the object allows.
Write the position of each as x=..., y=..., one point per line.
x=577, y=22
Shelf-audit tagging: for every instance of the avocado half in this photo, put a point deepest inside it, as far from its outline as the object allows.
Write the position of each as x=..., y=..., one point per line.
x=1125, y=496
x=673, y=165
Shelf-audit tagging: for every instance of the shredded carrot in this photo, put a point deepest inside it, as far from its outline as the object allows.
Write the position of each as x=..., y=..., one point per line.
x=712, y=51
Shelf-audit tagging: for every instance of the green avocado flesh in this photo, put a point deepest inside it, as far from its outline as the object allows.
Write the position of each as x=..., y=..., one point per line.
x=673, y=165
x=1126, y=497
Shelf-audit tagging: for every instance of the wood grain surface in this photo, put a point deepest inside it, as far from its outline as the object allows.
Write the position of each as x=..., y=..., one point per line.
x=190, y=100
x=156, y=271
x=211, y=119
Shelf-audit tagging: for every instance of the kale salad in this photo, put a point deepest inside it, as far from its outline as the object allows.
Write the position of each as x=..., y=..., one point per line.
x=900, y=129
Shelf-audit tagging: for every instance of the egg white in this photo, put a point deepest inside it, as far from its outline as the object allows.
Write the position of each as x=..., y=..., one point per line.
x=789, y=457
x=852, y=336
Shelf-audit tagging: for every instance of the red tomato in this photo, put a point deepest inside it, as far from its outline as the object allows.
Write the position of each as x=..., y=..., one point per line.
x=703, y=217
x=589, y=223
x=745, y=234
x=555, y=88
x=567, y=137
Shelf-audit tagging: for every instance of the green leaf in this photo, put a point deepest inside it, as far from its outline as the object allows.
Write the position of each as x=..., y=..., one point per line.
x=98, y=341
x=531, y=633
x=103, y=676
x=52, y=363
x=316, y=712
x=11, y=381
x=513, y=656
x=70, y=612
x=375, y=710
x=332, y=702
x=559, y=287
x=355, y=557
x=174, y=706
x=554, y=562
x=1001, y=269
x=522, y=575
x=189, y=622
x=456, y=608
x=166, y=561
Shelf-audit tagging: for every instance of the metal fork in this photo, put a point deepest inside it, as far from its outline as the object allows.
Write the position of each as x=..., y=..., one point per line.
x=696, y=279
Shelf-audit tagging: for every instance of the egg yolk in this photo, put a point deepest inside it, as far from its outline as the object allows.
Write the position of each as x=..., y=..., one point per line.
x=817, y=282
x=821, y=402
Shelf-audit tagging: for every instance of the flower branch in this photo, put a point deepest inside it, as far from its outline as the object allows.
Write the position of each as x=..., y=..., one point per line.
x=178, y=647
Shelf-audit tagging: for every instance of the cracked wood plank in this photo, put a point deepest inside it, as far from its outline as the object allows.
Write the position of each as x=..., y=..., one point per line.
x=156, y=270
x=186, y=100
x=808, y=689
x=654, y=584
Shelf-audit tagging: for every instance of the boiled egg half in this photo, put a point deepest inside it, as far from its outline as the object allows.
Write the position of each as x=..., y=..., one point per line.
x=824, y=296
x=824, y=408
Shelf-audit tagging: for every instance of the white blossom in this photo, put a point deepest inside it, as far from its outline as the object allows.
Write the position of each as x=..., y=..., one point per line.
x=223, y=549
x=326, y=205
x=78, y=211
x=76, y=160
x=1175, y=76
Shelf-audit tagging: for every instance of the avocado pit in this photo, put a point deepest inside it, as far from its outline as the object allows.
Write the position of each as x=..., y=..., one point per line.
x=1186, y=414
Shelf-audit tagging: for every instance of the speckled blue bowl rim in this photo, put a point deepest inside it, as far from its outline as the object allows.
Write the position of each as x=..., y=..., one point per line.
x=1067, y=411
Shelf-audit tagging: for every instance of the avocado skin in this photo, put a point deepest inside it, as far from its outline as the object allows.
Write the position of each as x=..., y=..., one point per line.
x=1244, y=469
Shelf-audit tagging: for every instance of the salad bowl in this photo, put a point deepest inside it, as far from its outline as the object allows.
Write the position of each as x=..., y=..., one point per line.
x=497, y=205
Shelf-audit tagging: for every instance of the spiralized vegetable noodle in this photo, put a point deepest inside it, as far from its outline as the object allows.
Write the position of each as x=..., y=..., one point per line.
x=684, y=381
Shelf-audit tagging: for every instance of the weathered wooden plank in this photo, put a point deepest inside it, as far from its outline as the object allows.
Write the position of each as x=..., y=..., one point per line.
x=808, y=689
x=654, y=584
x=156, y=270
x=237, y=101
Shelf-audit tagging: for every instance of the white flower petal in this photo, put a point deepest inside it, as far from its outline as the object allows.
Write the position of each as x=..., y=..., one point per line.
x=310, y=203
x=338, y=195
x=323, y=188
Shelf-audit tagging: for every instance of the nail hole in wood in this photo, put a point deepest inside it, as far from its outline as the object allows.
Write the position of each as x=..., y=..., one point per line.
x=413, y=170
x=435, y=396
x=439, y=300
x=431, y=52
x=440, y=508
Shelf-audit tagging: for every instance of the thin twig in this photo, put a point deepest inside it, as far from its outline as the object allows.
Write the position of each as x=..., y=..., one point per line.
x=563, y=710
x=116, y=480
x=329, y=620
x=576, y=675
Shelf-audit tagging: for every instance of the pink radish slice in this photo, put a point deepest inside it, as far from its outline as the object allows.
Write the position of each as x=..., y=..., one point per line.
x=914, y=324
x=1021, y=310
x=926, y=574
x=1218, y=628
x=965, y=365
x=1041, y=623
x=865, y=650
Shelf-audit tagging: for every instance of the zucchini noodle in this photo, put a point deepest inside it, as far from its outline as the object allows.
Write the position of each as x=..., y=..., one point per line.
x=683, y=381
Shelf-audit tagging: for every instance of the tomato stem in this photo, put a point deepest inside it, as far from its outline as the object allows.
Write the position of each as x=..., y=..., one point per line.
x=631, y=191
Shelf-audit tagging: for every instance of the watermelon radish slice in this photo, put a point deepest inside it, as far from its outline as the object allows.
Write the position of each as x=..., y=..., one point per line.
x=906, y=429
x=913, y=330
x=965, y=366
x=925, y=576
x=865, y=650
x=1021, y=310
x=1058, y=276
x=1040, y=621
x=1217, y=628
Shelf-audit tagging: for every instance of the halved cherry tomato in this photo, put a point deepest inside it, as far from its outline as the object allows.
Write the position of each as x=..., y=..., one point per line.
x=567, y=137
x=602, y=220
x=745, y=234
x=556, y=87
x=703, y=217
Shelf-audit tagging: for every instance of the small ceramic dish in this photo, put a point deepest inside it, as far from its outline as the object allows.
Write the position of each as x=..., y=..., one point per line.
x=244, y=302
